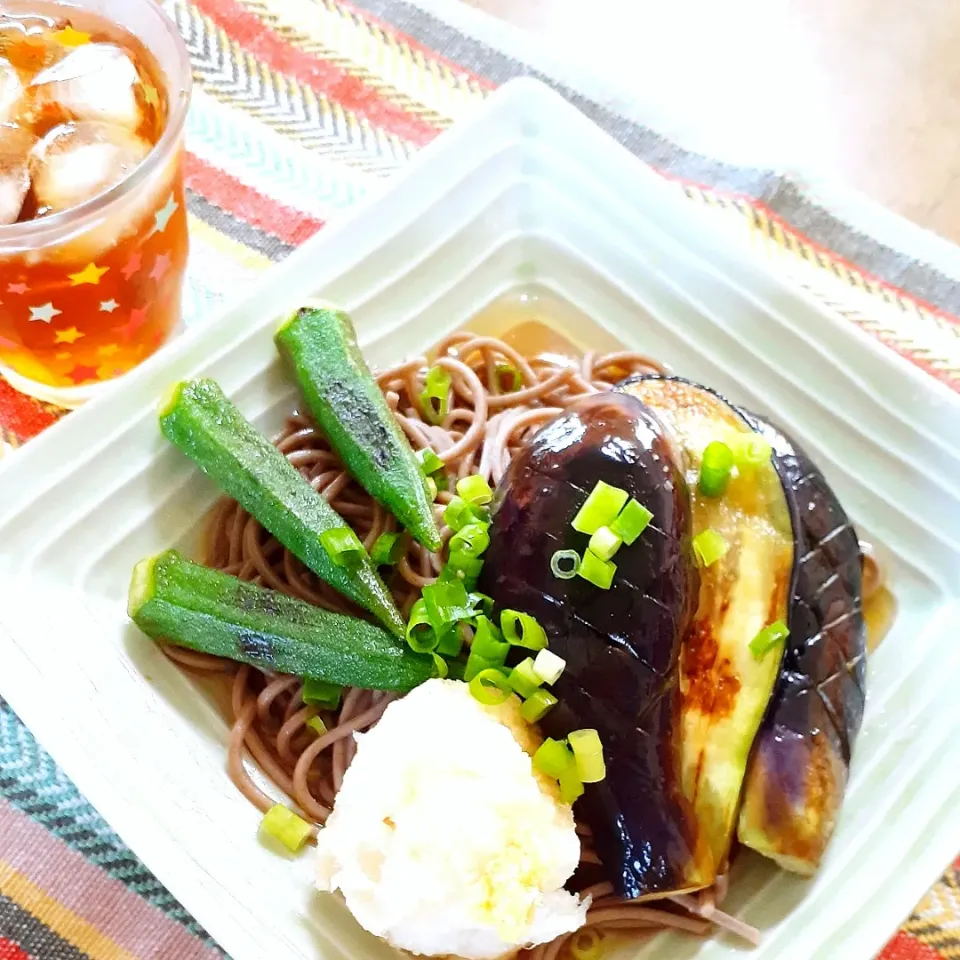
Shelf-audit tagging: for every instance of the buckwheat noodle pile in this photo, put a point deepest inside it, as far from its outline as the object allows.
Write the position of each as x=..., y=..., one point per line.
x=487, y=422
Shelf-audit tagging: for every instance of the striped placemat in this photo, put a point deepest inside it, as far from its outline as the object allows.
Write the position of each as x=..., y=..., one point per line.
x=300, y=107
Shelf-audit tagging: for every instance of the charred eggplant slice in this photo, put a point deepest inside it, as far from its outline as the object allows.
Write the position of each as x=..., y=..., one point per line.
x=725, y=689
x=622, y=645
x=798, y=772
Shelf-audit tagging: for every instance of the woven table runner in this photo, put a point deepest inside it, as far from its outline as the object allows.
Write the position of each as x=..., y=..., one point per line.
x=300, y=108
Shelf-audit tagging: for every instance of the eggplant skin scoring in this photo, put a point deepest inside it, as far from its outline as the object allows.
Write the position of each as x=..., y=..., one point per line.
x=622, y=645
x=799, y=766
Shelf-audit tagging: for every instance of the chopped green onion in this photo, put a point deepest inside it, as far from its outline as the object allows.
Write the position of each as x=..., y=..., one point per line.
x=571, y=786
x=432, y=488
x=470, y=540
x=715, y=469
x=709, y=546
x=477, y=664
x=537, y=706
x=750, y=451
x=548, y=666
x=446, y=602
x=523, y=678
x=564, y=564
x=490, y=688
x=319, y=693
x=488, y=642
x=483, y=601
x=596, y=571
x=508, y=377
x=552, y=758
x=443, y=671
x=585, y=944
x=462, y=568
x=458, y=513
x=600, y=508
x=435, y=397
x=451, y=642
x=281, y=823
x=429, y=461
x=421, y=635
x=522, y=630
x=631, y=521
x=343, y=546
x=588, y=752
x=441, y=480
x=387, y=549
x=605, y=543
x=768, y=638
x=475, y=489
x=317, y=726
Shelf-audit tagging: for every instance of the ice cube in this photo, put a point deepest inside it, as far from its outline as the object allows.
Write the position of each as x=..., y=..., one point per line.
x=15, y=147
x=98, y=81
x=76, y=161
x=11, y=91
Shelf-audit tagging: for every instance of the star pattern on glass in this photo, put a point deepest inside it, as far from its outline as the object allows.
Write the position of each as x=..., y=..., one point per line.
x=138, y=318
x=44, y=313
x=160, y=267
x=107, y=350
x=163, y=215
x=108, y=306
x=132, y=266
x=81, y=373
x=91, y=273
x=150, y=95
x=70, y=335
x=18, y=288
x=69, y=37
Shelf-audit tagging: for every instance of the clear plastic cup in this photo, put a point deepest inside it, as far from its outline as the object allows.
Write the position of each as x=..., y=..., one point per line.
x=89, y=292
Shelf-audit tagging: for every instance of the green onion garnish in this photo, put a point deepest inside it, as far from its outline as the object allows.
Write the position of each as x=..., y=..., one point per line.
x=483, y=601
x=588, y=752
x=441, y=480
x=458, y=513
x=463, y=568
x=475, y=489
x=523, y=678
x=522, y=630
x=343, y=546
x=319, y=693
x=488, y=642
x=552, y=758
x=508, y=377
x=715, y=469
x=631, y=521
x=429, y=461
x=604, y=543
x=571, y=786
x=317, y=726
x=490, y=687
x=596, y=571
x=709, y=546
x=470, y=541
x=768, y=638
x=281, y=823
x=600, y=508
x=477, y=664
x=451, y=642
x=432, y=488
x=443, y=671
x=421, y=635
x=446, y=602
x=750, y=451
x=564, y=564
x=537, y=706
x=548, y=666
x=387, y=549
x=435, y=397
x=585, y=944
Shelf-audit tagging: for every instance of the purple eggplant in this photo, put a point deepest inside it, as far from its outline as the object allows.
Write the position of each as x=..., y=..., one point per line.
x=798, y=771
x=622, y=645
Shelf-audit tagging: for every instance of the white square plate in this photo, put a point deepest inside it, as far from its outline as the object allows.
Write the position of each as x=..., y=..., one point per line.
x=528, y=196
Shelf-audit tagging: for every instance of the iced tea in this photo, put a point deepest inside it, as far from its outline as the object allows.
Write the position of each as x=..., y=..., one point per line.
x=93, y=229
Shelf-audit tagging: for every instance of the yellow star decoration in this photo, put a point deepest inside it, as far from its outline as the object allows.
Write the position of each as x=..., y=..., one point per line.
x=108, y=350
x=150, y=95
x=70, y=335
x=91, y=273
x=68, y=37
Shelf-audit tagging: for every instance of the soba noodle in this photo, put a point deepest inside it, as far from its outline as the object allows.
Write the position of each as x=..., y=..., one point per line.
x=483, y=429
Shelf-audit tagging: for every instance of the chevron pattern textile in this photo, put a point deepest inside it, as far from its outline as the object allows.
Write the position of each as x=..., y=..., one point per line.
x=300, y=108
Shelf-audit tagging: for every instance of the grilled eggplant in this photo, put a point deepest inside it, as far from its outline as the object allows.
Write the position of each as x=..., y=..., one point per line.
x=622, y=645
x=798, y=772
x=725, y=689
